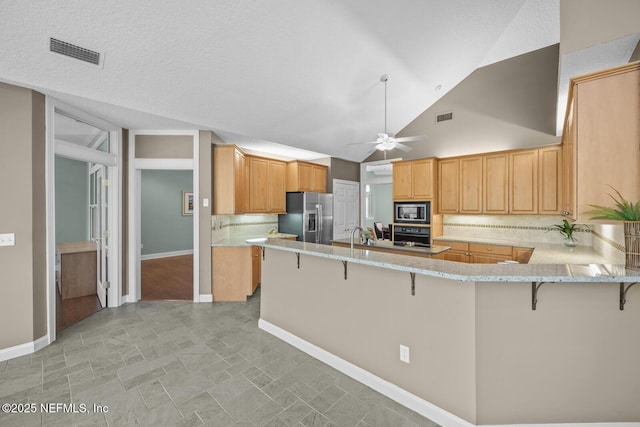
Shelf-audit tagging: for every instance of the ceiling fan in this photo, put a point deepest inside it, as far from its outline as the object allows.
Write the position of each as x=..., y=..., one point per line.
x=386, y=141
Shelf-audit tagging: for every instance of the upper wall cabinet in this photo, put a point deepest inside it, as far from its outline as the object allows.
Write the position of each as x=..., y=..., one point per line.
x=413, y=179
x=267, y=192
x=523, y=182
x=513, y=182
x=601, y=139
x=304, y=176
x=449, y=187
x=471, y=184
x=550, y=180
x=230, y=192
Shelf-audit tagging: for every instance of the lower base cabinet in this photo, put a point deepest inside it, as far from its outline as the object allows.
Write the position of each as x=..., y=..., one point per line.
x=235, y=272
x=480, y=253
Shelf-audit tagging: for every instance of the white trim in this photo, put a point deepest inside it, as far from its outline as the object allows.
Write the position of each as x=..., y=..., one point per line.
x=50, y=178
x=168, y=164
x=135, y=173
x=110, y=160
x=206, y=298
x=23, y=349
x=167, y=254
x=392, y=391
x=402, y=396
x=78, y=152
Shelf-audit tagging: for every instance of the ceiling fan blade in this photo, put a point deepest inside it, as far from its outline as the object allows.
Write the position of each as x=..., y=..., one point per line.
x=412, y=138
x=403, y=147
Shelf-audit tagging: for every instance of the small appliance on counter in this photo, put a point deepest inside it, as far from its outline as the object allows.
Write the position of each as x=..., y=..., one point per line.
x=309, y=216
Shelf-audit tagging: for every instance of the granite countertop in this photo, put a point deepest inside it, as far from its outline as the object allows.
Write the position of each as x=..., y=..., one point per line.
x=544, y=253
x=431, y=250
x=461, y=271
x=242, y=240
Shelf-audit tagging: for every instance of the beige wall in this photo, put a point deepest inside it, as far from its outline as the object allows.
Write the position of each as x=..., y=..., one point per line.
x=586, y=23
x=205, y=185
x=23, y=285
x=574, y=359
x=507, y=105
x=365, y=318
x=164, y=147
x=478, y=350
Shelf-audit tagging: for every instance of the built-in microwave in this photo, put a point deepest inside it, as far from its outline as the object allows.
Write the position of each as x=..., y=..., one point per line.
x=412, y=212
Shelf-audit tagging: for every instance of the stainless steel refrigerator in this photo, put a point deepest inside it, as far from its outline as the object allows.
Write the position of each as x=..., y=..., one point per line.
x=309, y=216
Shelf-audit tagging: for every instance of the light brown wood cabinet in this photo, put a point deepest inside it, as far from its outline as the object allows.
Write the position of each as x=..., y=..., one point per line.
x=459, y=251
x=235, y=272
x=601, y=139
x=495, y=183
x=523, y=182
x=481, y=253
x=305, y=176
x=471, y=185
x=267, y=190
x=449, y=188
x=413, y=180
x=230, y=185
x=550, y=180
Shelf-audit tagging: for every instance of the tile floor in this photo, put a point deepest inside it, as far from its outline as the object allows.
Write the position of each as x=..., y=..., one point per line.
x=184, y=364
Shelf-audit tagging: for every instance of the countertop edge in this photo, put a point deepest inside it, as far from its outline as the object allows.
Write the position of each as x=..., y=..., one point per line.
x=437, y=268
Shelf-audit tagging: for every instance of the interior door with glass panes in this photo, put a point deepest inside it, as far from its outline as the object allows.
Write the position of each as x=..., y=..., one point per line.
x=99, y=227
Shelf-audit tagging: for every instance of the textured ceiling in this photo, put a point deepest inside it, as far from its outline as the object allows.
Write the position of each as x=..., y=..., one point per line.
x=303, y=73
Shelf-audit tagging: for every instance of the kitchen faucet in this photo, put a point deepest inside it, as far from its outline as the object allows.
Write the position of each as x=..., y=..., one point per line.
x=353, y=231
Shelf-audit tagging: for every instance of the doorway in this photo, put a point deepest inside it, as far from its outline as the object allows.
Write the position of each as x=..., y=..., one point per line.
x=166, y=226
x=80, y=221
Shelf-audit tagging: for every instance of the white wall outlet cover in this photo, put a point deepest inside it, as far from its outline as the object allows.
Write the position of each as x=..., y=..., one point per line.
x=8, y=239
x=205, y=203
x=404, y=354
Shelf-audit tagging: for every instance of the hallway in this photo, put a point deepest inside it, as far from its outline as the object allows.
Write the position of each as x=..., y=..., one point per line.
x=185, y=364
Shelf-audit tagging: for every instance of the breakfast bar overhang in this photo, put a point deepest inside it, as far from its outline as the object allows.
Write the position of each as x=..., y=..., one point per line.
x=479, y=353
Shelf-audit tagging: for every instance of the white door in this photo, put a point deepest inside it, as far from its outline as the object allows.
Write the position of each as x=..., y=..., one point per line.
x=346, y=207
x=99, y=227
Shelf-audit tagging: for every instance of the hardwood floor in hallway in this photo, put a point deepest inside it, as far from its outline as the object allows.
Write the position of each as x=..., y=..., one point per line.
x=167, y=279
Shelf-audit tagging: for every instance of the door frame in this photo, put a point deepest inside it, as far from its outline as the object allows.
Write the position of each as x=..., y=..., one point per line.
x=134, y=206
x=364, y=181
x=111, y=160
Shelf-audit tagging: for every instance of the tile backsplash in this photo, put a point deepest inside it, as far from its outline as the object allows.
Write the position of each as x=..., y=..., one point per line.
x=606, y=239
x=225, y=226
x=529, y=228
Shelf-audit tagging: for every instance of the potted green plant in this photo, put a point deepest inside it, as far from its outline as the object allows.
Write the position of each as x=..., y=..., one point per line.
x=566, y=230
x=629, y=213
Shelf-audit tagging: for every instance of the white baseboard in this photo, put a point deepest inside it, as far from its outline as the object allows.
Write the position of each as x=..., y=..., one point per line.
x=23, y=349
x=206, y=298
x=166, y=254
x=126, y=299
x=392, y=391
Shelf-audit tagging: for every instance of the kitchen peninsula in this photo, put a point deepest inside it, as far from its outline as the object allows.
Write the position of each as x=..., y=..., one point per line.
x=489, y=344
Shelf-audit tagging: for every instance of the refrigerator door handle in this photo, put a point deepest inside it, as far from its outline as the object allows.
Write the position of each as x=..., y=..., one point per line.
x=319, y=213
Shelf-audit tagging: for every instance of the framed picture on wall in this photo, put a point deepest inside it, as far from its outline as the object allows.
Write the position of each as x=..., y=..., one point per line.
x=187, y=203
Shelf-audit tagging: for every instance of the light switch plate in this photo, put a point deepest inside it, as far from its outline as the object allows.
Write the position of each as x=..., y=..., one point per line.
x=205, y=203
x=8, y=239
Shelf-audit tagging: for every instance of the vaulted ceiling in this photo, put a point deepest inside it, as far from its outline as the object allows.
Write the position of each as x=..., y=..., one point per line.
x=303, y=73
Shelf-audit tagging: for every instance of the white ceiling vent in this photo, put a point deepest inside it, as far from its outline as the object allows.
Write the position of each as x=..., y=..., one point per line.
x=76, y=52
x=444, y=117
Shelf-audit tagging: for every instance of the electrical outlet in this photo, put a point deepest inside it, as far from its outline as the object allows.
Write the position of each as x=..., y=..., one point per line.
x=8, y=239
x=404, y=353
x=205, y=203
